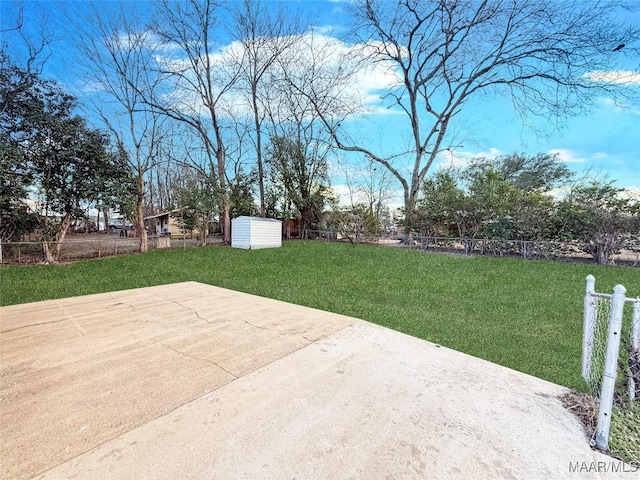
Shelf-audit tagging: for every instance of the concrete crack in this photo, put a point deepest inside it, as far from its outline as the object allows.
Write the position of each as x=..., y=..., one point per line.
x=135, y=320
x=192, y=311
x=196, y=358
x=123, y=303
x=69, y=317
x=22, y=327
x=286, y=332
x=263, y=328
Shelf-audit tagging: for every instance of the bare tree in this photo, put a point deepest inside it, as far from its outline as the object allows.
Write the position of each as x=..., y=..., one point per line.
x=370, y=185
x=300, y=146
x=264, y=36
x=195, y=187
x=550, y=57
x=364, y=215
x=120, y=61
x=34, y=49
x=195, y=82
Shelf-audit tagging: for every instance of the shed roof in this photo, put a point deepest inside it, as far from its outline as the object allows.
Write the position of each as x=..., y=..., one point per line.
x=162, y=214
x=257, y=219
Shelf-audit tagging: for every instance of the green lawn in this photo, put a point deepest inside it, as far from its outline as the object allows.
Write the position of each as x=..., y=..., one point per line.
x=526, y=315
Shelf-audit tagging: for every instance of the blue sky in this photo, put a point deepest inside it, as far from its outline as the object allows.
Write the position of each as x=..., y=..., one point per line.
x=607, y=139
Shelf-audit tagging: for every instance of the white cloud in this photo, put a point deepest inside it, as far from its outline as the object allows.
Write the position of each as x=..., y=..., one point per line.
x=87, y=87
x=560, y=193
x=365, y=84
x=567, y=156
x=319, y=51
x=619, y=106
x=325, y=29
x=345, y=195
x=632, y=192
x=459, y=159
x=618, y=77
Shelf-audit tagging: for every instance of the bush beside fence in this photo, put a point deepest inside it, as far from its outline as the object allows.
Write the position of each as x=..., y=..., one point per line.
x=528, y=249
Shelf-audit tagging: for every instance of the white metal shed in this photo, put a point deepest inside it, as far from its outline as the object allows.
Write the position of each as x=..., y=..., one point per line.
x=256, y=232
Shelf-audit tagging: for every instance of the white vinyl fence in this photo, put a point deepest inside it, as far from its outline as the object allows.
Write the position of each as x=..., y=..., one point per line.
x=608, y=371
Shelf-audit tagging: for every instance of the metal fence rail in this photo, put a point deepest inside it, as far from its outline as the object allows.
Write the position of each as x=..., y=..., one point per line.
x=94, y=247
x=527, y=249
x=99, y=245
x=604, y=330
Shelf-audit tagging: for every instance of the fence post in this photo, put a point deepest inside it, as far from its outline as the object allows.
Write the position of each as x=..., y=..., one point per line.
x=588, y=325
x=610, y=368
x=634, y=354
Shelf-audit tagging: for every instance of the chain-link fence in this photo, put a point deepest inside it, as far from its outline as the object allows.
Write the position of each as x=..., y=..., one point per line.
x=595, y=340
x=610, y=352
x=528, y=249
x=100, y=245
x=95, y=246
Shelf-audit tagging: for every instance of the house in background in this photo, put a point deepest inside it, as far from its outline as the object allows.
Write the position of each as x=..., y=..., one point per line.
x=158, y=225
x=291, y=228
x=160, y=228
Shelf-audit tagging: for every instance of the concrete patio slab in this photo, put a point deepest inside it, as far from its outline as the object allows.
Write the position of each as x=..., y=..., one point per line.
x=80, y=371
x=190, y=381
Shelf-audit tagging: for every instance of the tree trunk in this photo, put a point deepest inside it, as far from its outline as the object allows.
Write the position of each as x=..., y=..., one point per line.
x=203, y=230
x=48, y=256
x=60, y=237
x=256, y=120
x=225, y=219
x=225, y=224
x=603, y=254
x=52, y=256
x=105, y=214
x=409, y=217
x=142, y=232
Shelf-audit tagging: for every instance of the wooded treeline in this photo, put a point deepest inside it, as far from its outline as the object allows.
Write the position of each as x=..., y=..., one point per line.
x=243, y=108
x=531, y=198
